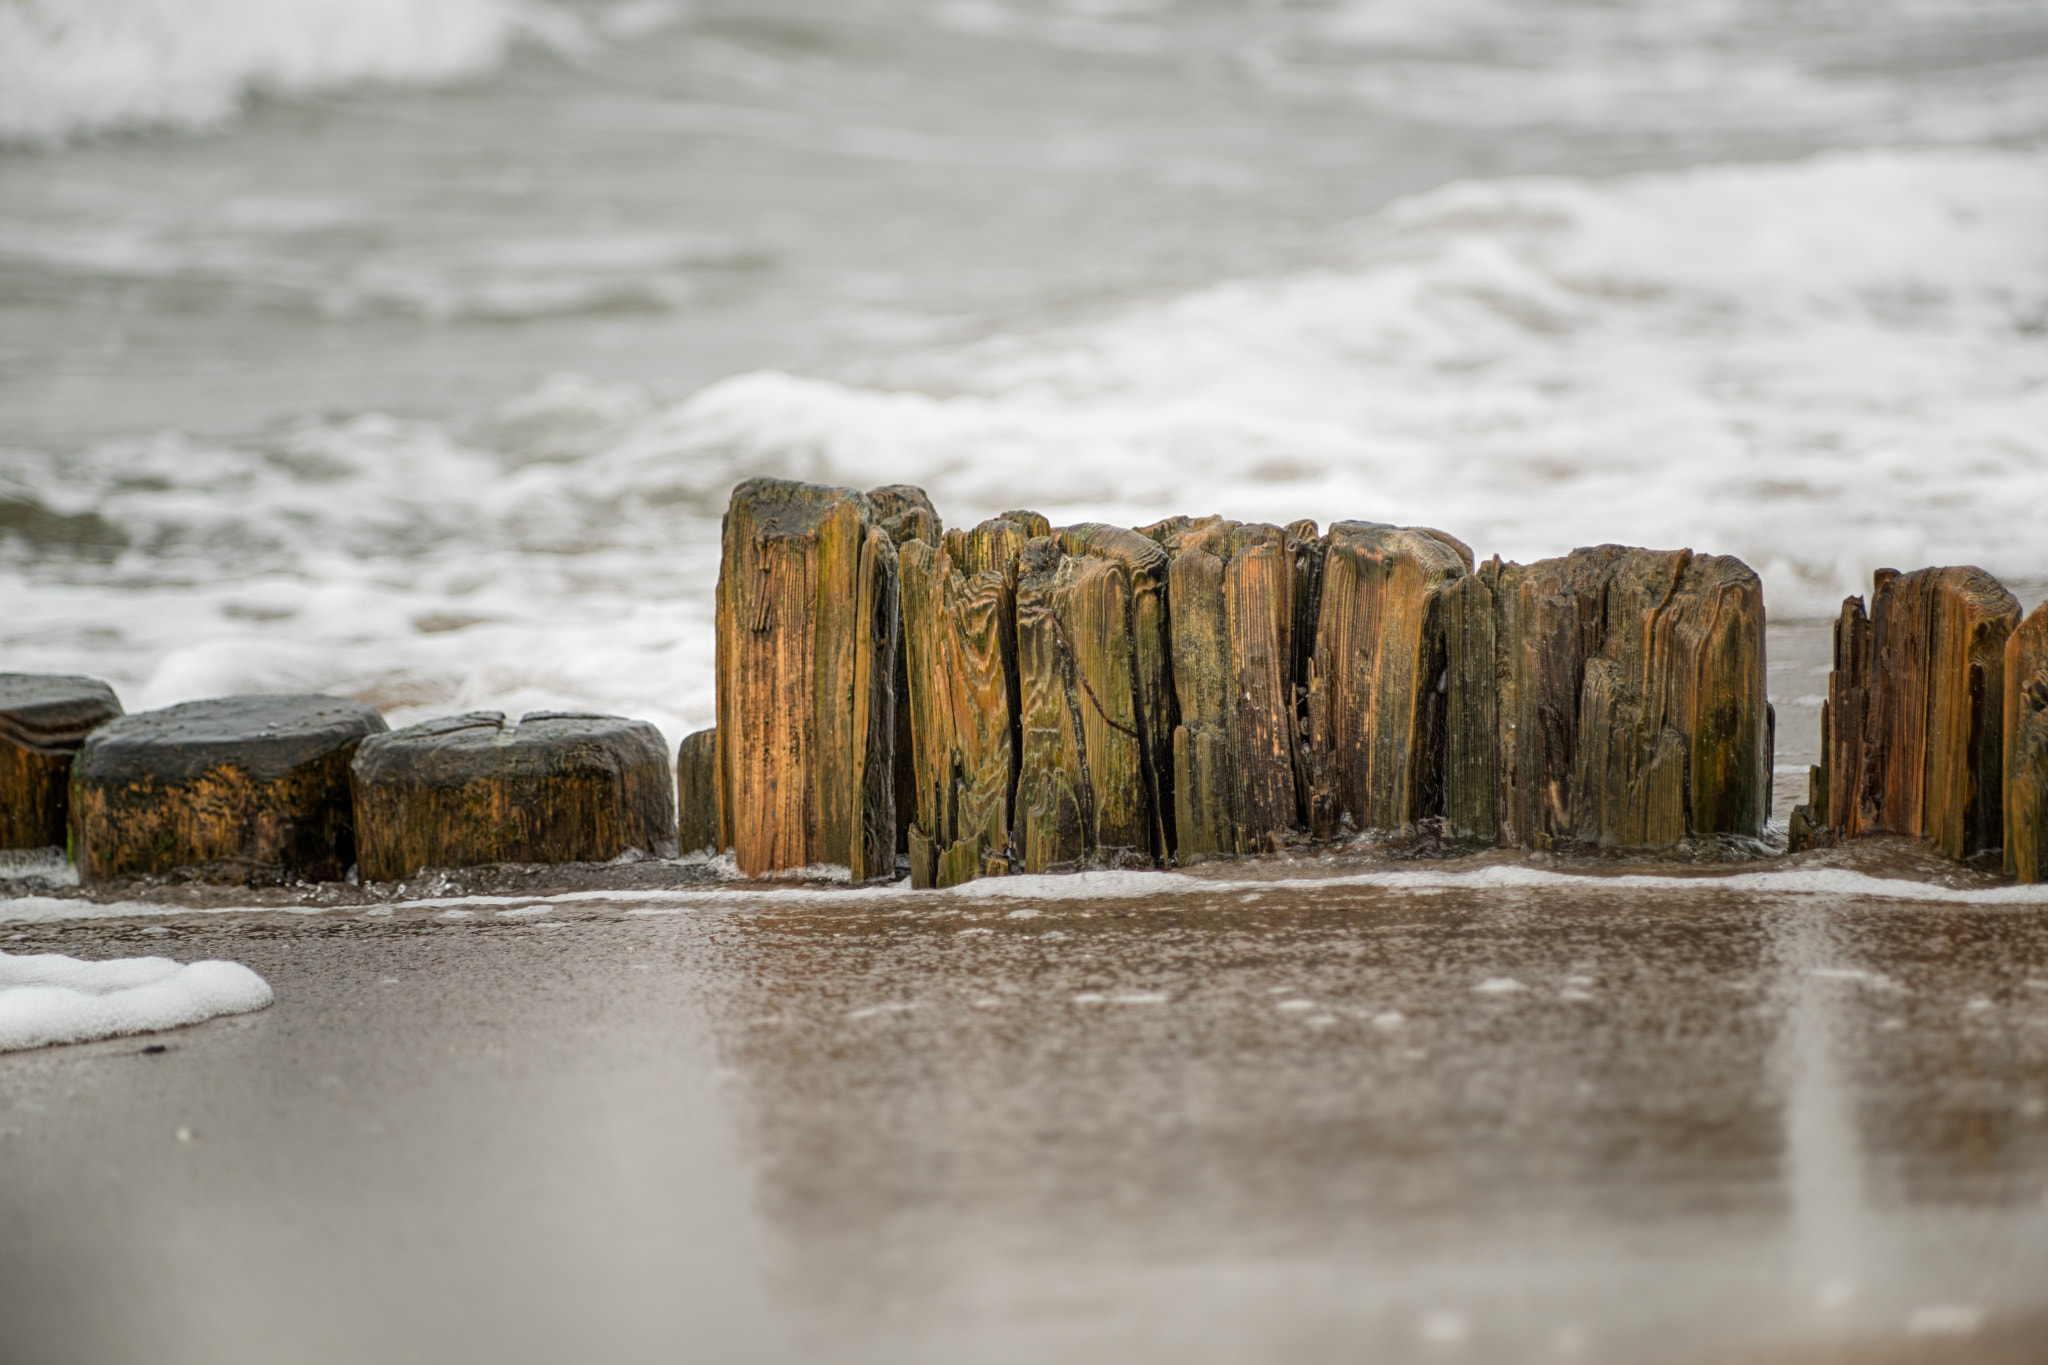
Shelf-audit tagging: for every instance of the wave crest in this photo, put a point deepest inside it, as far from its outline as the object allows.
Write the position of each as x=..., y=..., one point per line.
x=72, y=68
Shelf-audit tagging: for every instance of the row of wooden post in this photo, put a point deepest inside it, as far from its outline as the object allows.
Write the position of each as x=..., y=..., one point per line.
x=1017, y=696
x=302, y=787
x=1936, y=722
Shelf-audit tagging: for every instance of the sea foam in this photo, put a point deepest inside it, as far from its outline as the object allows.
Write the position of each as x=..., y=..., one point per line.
x=75, y=67
x=1823, y=366
x=49, y=998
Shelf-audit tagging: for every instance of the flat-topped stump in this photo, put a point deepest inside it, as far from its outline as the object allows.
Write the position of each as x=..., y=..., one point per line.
x=697, y=816
x=44, y=717
x=468, y=790
x=251, y=788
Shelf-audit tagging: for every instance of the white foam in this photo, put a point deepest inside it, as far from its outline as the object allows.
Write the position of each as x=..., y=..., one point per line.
x=1119, y=884
x=1776, y=361
x=1769, y=361
x=49, y=998
x=72, y=67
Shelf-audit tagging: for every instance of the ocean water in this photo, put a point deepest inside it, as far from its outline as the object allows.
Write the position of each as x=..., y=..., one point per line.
x=409, y=350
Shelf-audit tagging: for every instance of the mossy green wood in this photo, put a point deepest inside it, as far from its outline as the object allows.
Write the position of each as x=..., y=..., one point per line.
x=1233, y=592
x=1472, y=787
x=960, y=640
x=43, y=720
x=1055, y=813
x=252, y=788
x=697, y=824
x=1146, y=656
x=1836, y=797
x=1377, y=711
x=465, y=791
x=877, y=627
x=803, y=580
x=907, y=514
x=2026, y=749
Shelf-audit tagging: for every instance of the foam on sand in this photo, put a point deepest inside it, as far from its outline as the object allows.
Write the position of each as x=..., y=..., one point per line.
x=49, y=998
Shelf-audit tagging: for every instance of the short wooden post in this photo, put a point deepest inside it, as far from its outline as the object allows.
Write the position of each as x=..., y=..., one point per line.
x=697, y=818
x=808, y=621
x=467, y=791
x=251, y=788
x=1629, y=698
x=1916, y=711
x=43, y=720
x=2026, y=749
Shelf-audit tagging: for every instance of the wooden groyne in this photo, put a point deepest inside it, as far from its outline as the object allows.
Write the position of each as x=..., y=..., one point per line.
x=1203, y=688
x=1020, y=697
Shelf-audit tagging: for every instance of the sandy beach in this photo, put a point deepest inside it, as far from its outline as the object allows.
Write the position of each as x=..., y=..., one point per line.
x=1297, y=1117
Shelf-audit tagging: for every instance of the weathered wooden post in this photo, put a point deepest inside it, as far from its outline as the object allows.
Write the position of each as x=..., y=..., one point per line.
x=1915, y=716
x=43, y=720
x=808, y=625
x=1377, y=708
x=253, y=786
x=1115, y=619
x=2026, y=749
x=908, y=516
x=1235, y=593
x=698, y=827
x=960, y=646
x=466, y=791
x=1628, y=692
x=1055, y=815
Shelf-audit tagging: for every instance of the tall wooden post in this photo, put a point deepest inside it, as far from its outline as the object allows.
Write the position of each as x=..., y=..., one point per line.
x=1377, y=711
x=1234, y=591
x=808, y=619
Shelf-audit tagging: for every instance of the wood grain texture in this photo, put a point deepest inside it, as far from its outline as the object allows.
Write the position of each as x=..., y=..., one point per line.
x=43, y=719
x=959, y=605
x=1234, y=596
x=465, y=791
x=1916, y=714
x=2026, y=748
x=1472, y=785
x=806, y=722
x=1377, y=686
x=907, y=514
x=1139, y=587
x=247, y=788
x=1055, y=817
x=697, y=823
x=1629, y=699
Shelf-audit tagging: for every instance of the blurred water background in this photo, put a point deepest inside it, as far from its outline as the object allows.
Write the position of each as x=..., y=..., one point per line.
x=408, y=350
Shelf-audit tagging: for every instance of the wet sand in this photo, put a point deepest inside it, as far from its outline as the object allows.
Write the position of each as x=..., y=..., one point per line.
x=1247, y=1120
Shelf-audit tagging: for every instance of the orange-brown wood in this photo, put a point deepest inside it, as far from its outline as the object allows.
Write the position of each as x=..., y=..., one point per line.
x=251, y=789
x=806, y=722
x=2026, y=749
x=1916, y=716
x=469, y=790
x=43, y=720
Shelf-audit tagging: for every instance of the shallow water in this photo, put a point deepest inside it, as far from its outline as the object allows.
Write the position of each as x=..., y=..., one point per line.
x=430, y=392
x=1572, y=1121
